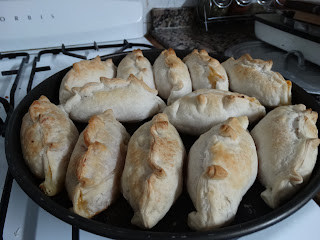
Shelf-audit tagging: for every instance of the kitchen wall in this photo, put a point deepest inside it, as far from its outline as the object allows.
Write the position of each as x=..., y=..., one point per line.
x=149, y=4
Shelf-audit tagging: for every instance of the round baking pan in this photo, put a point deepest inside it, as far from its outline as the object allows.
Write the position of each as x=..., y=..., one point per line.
x=253, y=214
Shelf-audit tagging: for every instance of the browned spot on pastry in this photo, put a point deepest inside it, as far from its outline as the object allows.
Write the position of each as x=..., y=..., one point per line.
x=311, y=115
x=140, y=58
x=151, y=182
x=162, y=148
x=289, y=83
x=195, y=51
x=94, y=126
x=230, y=98
x=205, y=56
x=137, y=51
x=50, y=189
x=225, y=157
x=82, y=204
x=160, y=117
x=201, y=99
x=44, y=99
x=169, y=52
x=246, y=56
x=172, y=61
x=95, y=151
x=97, y=59
x=213, y=77
x=76, y=67
x=227, y=131
x=204, y=52
x=251, y=99
x=137, y=81
x=216, y=172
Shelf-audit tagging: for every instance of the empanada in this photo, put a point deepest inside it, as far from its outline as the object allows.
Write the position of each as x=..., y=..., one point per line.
x=135, y=63
x=96, y=164
x=198, y=111
x=131, y=100
x=47, y=138
x=83, y=72
x=287, y=145
x=222, y=166
x=255, y=78
x=171, y=76
x=152, y=177
x=205, y=71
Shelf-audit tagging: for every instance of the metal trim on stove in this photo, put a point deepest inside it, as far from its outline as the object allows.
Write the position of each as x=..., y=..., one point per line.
x=9, y=106
x=5, y=201
x=68, y=51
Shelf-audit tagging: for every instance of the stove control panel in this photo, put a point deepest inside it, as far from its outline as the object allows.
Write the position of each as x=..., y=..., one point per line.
x=33, y=24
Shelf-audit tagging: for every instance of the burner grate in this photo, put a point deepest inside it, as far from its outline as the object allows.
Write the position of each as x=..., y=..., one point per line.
x=9, y=106
x=69, y=52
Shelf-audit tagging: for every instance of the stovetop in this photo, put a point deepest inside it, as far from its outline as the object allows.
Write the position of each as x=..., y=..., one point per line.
x=20, y=217
x=25, y=219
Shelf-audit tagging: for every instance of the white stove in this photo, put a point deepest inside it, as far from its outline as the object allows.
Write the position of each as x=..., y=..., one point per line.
x=25, y=219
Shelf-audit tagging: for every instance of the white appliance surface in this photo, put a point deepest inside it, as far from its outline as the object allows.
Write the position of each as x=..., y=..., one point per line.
x=25, y=219
x=45, y=23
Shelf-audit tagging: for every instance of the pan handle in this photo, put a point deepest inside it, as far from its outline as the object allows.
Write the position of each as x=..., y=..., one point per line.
x=8, y=108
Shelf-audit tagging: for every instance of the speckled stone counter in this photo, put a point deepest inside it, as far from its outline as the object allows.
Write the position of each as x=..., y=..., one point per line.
x=178, y=28
x=186, y=38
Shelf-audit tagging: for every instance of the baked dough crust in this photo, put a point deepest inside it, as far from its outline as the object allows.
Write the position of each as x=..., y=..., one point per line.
x=131, y=100
x=47, y=138
x=152, y=176
x=96, y=164
x=222, y=166
x=205, y=71
x=255, y=78
x=287, y=144
x=83, y=72
x=171, y=76
x=135, y=63
x=198, y=111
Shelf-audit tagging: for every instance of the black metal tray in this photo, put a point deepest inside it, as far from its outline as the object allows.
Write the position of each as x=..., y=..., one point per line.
x=253, y=214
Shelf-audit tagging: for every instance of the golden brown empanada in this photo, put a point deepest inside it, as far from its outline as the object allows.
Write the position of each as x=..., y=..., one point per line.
x=47, y=138
x=152, y=177
x=135, y=63
x=205, y=71
x=255, y=78
x=171, y=76
x=287, y=145
x=96, y=164
x=222, y=166
x=83, y=72
x=198, y=111
x=130, y=100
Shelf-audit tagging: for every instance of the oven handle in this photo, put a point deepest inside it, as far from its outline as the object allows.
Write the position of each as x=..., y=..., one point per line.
x=9, y=109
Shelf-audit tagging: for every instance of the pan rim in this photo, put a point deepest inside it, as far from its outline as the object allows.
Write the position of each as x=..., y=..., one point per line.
x=108, y=230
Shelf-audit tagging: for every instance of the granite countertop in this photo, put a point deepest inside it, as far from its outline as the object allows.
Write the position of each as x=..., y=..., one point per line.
x=179, y=28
